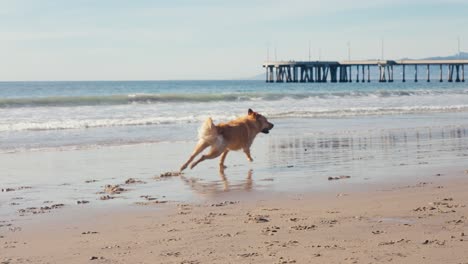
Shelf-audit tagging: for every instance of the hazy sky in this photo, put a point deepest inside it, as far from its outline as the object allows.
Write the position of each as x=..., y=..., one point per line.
x=159, y=40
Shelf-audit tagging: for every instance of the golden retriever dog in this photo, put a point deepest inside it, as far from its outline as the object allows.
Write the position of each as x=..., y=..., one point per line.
x=235, y=135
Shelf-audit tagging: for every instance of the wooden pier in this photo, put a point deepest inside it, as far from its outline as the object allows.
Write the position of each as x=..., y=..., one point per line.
x=342, y=71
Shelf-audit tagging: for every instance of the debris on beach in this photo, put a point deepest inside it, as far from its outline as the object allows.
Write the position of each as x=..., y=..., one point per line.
x=303, y=227
x=148, y=197
x=444, y=206
x=113, y=189
x=151, y=202
x=89, y=233
x=257, y=219
x=39, y=210
x=106, y=197
x=82, y=202
x=16, y=189
x=133, y=181
x=223, y=203
x=90, y=181
x=435, y=241
x=170, y=174
x=391, y=242
x=267, y=179
x=339, y=178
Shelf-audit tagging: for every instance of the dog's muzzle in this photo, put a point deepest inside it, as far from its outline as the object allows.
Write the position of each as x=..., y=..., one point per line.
x=267, y=130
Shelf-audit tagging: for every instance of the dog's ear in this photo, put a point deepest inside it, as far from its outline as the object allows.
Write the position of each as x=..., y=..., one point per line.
x=250, y=111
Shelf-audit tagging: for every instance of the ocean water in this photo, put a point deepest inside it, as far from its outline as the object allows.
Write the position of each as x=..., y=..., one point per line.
x=66, y=140
x=38, y=115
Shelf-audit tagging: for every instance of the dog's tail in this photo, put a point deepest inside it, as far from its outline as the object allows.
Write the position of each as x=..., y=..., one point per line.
x=208, y=132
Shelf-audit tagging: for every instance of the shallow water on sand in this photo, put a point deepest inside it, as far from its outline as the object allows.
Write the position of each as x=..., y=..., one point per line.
x=297, y=156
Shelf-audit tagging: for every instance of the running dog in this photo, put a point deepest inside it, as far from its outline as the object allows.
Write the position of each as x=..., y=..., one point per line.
x=224, y=137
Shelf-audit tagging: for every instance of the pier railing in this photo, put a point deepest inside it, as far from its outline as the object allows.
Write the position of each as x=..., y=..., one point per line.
x=341, y=71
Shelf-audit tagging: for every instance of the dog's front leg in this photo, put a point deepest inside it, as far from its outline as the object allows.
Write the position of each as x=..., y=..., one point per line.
x=247, y=152
x=221, y=161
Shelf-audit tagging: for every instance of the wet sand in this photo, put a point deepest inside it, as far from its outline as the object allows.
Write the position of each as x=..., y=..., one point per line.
x=365, y=196
x=420, y=222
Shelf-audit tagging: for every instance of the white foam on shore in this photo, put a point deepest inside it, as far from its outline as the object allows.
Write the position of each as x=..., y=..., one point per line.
x=83, y=122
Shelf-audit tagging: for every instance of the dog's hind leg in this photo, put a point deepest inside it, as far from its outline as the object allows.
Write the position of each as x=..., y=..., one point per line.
x=215, y=152
x=221, y=161
x=201, y=145
x=247, y=152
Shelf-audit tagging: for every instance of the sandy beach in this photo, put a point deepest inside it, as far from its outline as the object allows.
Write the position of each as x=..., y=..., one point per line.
x=396, y=196
x=412, y=222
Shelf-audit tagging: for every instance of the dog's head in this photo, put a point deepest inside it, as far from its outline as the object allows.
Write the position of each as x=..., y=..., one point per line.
x=265, y=126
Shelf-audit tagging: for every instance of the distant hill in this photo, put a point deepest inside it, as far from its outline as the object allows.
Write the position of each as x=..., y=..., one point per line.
x=462, y=56
x=260, y=76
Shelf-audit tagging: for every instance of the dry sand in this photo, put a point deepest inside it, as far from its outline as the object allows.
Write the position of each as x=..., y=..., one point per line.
x=424, y=222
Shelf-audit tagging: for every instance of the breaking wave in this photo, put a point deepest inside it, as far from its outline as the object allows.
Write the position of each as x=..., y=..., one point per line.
x=71, y=101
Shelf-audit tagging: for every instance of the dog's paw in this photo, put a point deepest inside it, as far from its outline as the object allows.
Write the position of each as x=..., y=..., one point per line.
x=251, y=160
x=183, y=168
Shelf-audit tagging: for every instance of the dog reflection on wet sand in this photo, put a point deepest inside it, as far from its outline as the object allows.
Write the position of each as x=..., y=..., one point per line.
x=214, y=187
x=237, y=134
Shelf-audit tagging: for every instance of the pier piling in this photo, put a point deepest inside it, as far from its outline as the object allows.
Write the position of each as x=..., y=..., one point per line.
x=404, y=73
x=415, y=73
x=463, y=73
x=363, y=76
x=450, y=73
x=368, y=73
x=428, y=74
x=440, y=77
x=357, y=73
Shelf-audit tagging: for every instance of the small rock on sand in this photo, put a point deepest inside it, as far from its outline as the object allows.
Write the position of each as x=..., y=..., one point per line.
x=82, y=202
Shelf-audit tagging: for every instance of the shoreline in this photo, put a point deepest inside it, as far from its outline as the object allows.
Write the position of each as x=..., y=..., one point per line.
x=401, y=223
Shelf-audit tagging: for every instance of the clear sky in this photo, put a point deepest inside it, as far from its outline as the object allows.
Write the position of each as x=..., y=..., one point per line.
x=214, y=39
